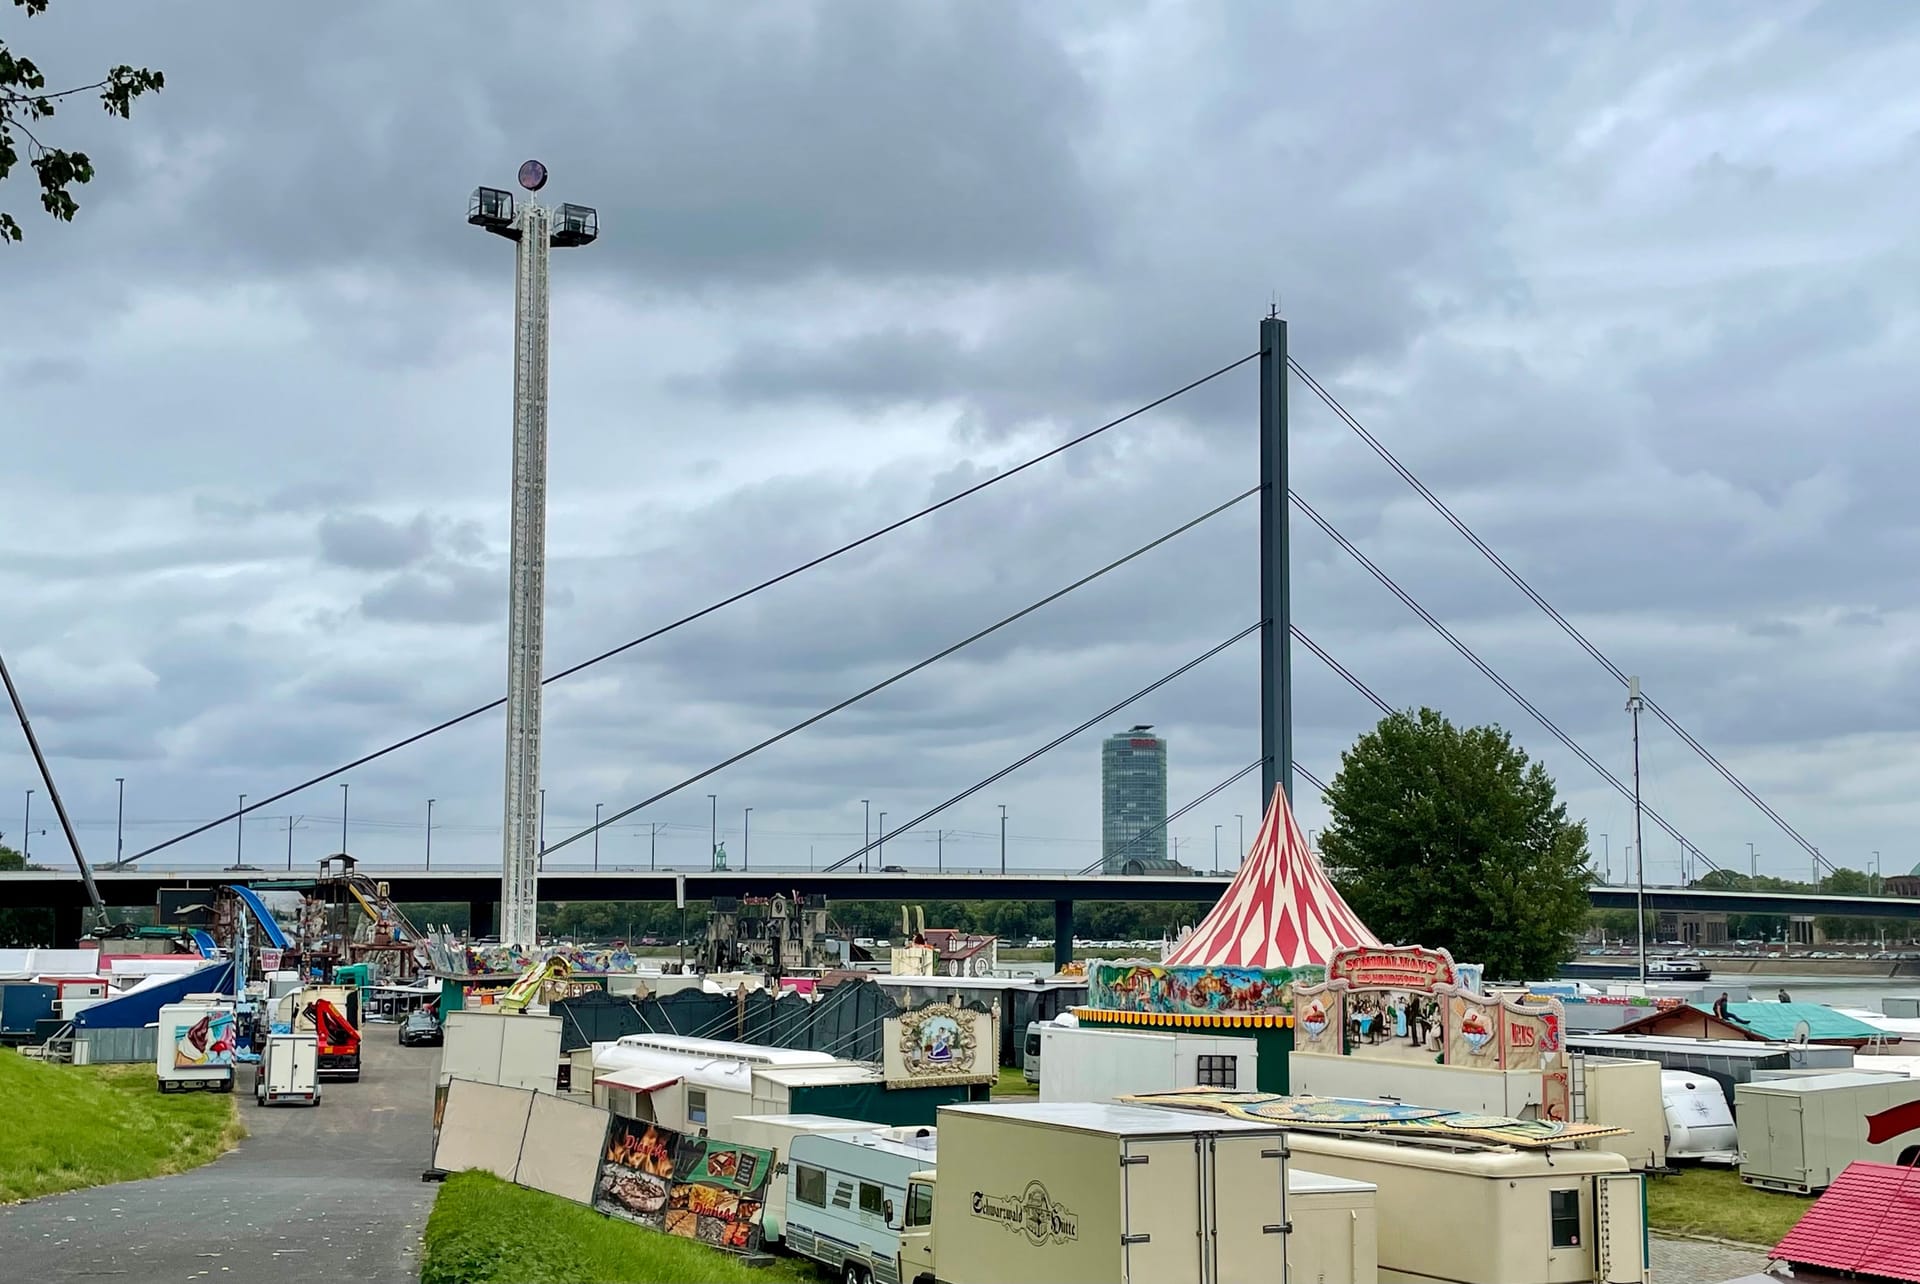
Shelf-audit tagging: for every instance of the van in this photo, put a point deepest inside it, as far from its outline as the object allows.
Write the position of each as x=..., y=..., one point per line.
x=1030, y=1058
x=847, y=1198
x=777, y=1133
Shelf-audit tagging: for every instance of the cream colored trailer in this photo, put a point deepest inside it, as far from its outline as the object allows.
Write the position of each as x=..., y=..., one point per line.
x=1085, y=1193
x=1625, y=1093
x=1494, y=1215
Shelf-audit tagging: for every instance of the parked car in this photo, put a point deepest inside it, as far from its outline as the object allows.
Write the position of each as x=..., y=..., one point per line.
x=421, y=1029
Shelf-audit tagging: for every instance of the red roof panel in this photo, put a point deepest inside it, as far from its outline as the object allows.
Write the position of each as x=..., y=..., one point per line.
x=1865, y=1222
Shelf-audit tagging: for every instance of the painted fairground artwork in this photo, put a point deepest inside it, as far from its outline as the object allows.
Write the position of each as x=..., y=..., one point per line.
x=693, y=1187
x=1404, y=1003
x=939, y=1042
x=210, y=1041
x=1157, y=987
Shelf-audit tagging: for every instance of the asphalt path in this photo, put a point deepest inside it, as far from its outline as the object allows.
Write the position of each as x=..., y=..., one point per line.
x=324, y=1195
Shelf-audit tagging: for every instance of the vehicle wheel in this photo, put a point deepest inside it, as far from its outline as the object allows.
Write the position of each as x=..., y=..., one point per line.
x=854, y=1273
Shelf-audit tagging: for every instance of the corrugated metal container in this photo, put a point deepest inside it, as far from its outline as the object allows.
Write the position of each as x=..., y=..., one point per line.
x=24, y=1002
x=120, y=1046
x=1798, y=1134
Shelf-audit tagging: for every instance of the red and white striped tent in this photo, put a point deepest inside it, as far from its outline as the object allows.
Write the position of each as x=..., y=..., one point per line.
x=1281, y=911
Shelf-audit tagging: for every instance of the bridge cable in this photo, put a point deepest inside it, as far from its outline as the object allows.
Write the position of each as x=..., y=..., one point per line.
x=868, y=538
x=1566, y=625
x=910, y=670
x=1472, y=658
x=1053, y=744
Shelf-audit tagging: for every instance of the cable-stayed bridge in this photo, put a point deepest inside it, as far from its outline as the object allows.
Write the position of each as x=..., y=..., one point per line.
x=1270, y=627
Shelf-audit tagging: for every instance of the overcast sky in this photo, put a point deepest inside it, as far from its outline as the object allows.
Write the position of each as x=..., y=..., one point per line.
x=1632, y=287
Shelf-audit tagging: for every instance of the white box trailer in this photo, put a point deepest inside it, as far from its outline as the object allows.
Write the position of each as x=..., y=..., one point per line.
x=194, y=1044
x=1492, y=1215
x=1625, y=1092
x=1086, y=1193
x=289, y=1071
x=511, y=1049
x=1797, y=1134
x=1098, y=1065
x=777, y=1133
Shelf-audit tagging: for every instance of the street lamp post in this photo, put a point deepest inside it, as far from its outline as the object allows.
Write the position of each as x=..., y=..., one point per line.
x=430, y=833
x=535, y=230
x=866, y=831
x=120, y=822
x=1216, y=849
x=26, y=830
x=713, y=831
x=343, y=818
x=1606, y=859
x=1753, y=863
x=1873, y=887
x=540, y=861
x=596, y=834
x=746, y=835
x=239, y=828
x=291, y=822
x=1003, y=838
x=880, y=852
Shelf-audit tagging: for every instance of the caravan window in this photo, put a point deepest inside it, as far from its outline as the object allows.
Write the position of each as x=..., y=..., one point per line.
x=1219, y=1072
x=810, y=1185
x=696, y=1105
x=1564, y=1208
x=872, y=1200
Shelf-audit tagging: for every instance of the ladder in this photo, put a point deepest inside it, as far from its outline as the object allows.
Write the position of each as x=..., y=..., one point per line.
x=1577, y=1086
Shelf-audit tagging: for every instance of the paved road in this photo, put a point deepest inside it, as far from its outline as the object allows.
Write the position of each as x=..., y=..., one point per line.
x=329, y=1195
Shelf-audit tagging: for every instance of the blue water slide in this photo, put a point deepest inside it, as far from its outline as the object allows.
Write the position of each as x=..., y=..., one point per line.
x=275, y=937
x=203, y=941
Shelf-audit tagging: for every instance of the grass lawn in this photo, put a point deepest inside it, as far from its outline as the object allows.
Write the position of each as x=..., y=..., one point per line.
x=70, y=1126
x=1013, y=1083
x=1714, y=1201
x=487, y=1231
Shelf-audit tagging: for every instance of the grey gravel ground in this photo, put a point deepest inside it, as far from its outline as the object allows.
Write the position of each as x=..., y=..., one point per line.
x=1692, y=1261
x=328, y=1195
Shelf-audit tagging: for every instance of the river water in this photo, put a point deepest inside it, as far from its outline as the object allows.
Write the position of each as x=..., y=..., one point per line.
x=1834, y=991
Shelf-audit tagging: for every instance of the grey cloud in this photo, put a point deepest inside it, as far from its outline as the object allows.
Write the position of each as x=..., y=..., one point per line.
x=368, y=542
x=441, y=594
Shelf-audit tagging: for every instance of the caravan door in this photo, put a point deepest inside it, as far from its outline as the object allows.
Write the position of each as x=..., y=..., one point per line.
x=1160, y=1231
x=1620, y=1228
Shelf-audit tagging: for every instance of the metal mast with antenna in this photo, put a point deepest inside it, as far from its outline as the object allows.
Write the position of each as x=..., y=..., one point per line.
x=1639, y=848
x=535, y=230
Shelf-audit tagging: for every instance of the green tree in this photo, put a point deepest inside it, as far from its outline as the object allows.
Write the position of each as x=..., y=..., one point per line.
x=23, y=927
x=1450, y=837
x=26, y=103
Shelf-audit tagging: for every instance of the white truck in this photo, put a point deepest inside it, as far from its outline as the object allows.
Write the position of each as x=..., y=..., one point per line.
x=1077, y=1193
x=194, y=1044
x=289, y=1071
x=1078, y=1064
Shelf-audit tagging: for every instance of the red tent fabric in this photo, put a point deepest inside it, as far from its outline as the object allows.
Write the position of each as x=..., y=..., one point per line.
x=1863, y=1223
x=1281, y=911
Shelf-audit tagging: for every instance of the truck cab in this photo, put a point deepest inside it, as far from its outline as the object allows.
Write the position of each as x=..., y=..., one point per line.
x=917, y=1237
